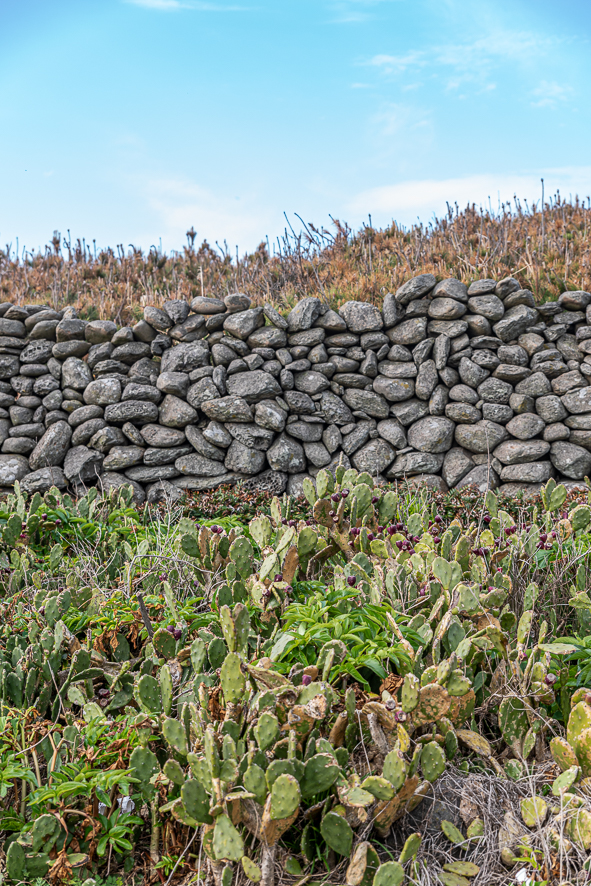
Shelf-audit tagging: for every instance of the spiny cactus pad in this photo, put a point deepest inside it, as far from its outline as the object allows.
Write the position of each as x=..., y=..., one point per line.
x=266, y=730
x=563, y=753
x=337, y=833
x=285, y=797
x=228, y=845
x=164, y=643
x=432, y=761
x=389, y=874
x=534, y=811
x=232, y=679
x=320, y=773
x=196, y=801
x=410, y=693
x=410, y=848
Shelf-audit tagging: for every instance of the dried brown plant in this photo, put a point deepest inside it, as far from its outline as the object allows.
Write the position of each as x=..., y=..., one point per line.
x=547, y=251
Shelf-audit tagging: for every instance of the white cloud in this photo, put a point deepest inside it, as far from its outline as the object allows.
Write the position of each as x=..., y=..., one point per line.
x=422, y=198
x=550, y=94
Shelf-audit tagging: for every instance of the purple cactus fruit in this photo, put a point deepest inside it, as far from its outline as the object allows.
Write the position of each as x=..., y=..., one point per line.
x=278, y=576
x=486, y=519
x=375, y=500
x=170, y=629
x=370, y=536
x=390, y=705
x=436, y=539
x=437, y=519
x=288, y=590
x=306, y=680
x=345, y=493
x=550, y=679
x=351, y=581
x=177, y=633
x=336, y=496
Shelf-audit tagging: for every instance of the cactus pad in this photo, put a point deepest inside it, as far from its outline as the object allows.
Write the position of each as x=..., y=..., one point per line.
x=534, y=811
x=255, y=782
x=578, y=828
x=378, y=787
x=337, y=833
x=410, y=693
x=320, y=773
x=452, y=833
x=196, y=801
x=285, y=797
x=432, y=761
x=174, y=733
x=389, y=874
x=457, y=684
x=513, y=722
x=251, y=869
x=563, y=754
x=143, y=764
x=565, y=781
x=232, y=679
x=227, y=842
x=173, y=771
x=164, y=644
x=266, y=730
x=433, y=703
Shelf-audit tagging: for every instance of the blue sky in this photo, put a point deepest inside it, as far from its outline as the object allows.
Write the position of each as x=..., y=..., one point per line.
x=128, y=121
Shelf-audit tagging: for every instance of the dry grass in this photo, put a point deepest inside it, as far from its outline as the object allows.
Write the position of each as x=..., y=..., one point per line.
x=548, y=252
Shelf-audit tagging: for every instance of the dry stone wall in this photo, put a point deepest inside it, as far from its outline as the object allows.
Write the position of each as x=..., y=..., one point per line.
x=447, y=385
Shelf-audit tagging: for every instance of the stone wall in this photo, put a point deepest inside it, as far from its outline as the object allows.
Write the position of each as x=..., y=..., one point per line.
x=447, y=384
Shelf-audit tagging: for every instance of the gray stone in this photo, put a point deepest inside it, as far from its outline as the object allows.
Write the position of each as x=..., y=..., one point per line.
x=147, y=474
x=254, y=386
x=397, y=370
x=18, y=445
x=417, y=287
x=510, y=373
x=488, y=306
x=105, y=438
x=391, y=431
x=373, y=404
x=484, y=436
x=515, y=322
x=393, y=389
x=306, y=339
x=136, y=411
x=374, y=457
x=143, y=332
x=581, y=438
x=156, y=435
x=482, y=287
x=426, y=380
x=243, y=459
x=203, y=391
x=456, y=465
x=317, y=454
x=19, y=415
x=34, y=429
x=42, y=480
x=121, y=457
x=286, y=455
x=555, y=432
x=526, y=426
x=194, y=463
x=470, y=373
x=483, y=477
x=64, y=349
x=185, y=357
x=82, y=465
x=361, y=316
x=85, y=414
x=446, y=309
x=311, y=382
x=304, y=315
x=205, y=305
x=36, y=352
x=45, y=329
x=12, y=468
x=332, y=438
x=43, y=385
x=532, y=472
x=463, y=394
x=268, y=415
x=369, y=367
x=204, y=446
x=103, y=392
x=497, y=412
x=568, y=381
x=463, y=413
x=537, y=385
x=302, y=404
x=451, y=328
x=304, y=431
x=193, y=329
x=571, y=460
x=229, y=408
x=75, y=374
x=477, y=325
x=158, y=318
x=578, y=402
x=409, y=332
x=506, y=286
x=177, y=309
x=251, y=436
x=514, y=452
x=131, y=351
x=451, y=288
x=176, y=413
x=176, y=383
x=410, y=411
x=70, y=330
x=449, y=376
x=492, y=390
x=415, y=463
x=85, y=432
x=431, y=434
x=267, y=337
x=355, y=438
x=578, y=422
x=52, y=447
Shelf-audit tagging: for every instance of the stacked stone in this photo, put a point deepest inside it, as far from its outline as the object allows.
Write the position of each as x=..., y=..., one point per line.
x=447, y=384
